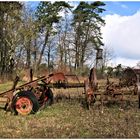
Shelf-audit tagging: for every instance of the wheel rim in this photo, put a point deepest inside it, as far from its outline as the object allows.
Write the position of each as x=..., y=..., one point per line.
x=24, y=106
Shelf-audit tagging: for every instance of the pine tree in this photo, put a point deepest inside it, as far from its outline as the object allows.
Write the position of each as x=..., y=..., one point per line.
x=48, y=16
x=87, y=26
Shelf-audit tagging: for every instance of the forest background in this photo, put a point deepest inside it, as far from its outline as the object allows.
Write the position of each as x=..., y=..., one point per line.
x=54, y=37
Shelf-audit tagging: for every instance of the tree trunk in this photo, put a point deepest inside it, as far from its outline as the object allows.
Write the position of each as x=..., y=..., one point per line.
x=43, y=49
x=28, y=61
x=84, y=45
x=77, y=54
x=1, y=42
x=49, y=49
x=35, y=54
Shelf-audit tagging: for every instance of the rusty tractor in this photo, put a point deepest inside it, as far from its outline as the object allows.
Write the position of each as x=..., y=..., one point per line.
x=36, y=94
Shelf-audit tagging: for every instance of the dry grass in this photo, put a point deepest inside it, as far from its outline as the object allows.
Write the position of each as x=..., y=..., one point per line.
x=68, y=119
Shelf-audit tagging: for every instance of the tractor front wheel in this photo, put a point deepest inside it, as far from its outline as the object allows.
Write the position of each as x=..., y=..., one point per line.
x=25, y=103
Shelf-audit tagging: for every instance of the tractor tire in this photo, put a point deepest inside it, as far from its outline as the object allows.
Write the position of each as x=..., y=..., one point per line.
x=24, y=103
x=49, y=94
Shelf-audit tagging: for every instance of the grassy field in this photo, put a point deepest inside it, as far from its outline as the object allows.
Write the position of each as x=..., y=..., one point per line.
x=68, y=119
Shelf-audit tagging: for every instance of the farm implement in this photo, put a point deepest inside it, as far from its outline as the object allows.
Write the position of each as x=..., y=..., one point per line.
x=119, y=88
x=36, y=94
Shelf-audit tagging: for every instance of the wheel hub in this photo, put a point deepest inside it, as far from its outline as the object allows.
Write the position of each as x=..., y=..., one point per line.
x=24, y=106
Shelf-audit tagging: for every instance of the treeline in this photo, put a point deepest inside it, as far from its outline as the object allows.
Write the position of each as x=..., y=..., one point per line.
x=54, y=35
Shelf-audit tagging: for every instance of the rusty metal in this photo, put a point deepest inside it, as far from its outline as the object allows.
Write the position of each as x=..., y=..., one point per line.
x=10, y=93
x=127, y=84
x=73, y=75
x=129, y=77
x=54, y=80
x=99, y=54
x=91, y=86
x=59, y=80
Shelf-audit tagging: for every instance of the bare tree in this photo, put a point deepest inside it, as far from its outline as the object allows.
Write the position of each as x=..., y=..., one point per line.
x=108, y=55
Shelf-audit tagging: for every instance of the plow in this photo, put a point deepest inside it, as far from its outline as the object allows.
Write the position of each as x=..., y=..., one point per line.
x=36, y=94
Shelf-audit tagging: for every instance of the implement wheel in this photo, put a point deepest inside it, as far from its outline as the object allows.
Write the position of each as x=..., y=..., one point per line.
x=25, y=103
x=46, y=98
x=49, y=95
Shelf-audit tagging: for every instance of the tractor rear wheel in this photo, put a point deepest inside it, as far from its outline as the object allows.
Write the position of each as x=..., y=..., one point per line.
x=49, y=95
x=24, y=103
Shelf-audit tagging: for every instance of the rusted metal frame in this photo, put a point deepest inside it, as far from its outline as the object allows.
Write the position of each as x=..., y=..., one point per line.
x=90, y=88
x=32, y=83
x=9, y=94
x=116, y=94
x=73, y=75
x=63, y=85
x=31, y=75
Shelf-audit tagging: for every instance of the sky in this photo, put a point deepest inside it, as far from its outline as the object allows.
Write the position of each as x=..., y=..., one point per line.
x=122, y=30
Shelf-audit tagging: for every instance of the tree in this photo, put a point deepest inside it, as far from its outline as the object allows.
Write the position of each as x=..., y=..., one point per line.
x=87, y=26
x=29, y=35
x=138, y=64
x=48, y=16
x=64, y=36
x=108, y=55
x=9, y=23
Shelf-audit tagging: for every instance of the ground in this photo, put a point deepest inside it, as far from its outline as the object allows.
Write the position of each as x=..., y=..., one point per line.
x=67, y=118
